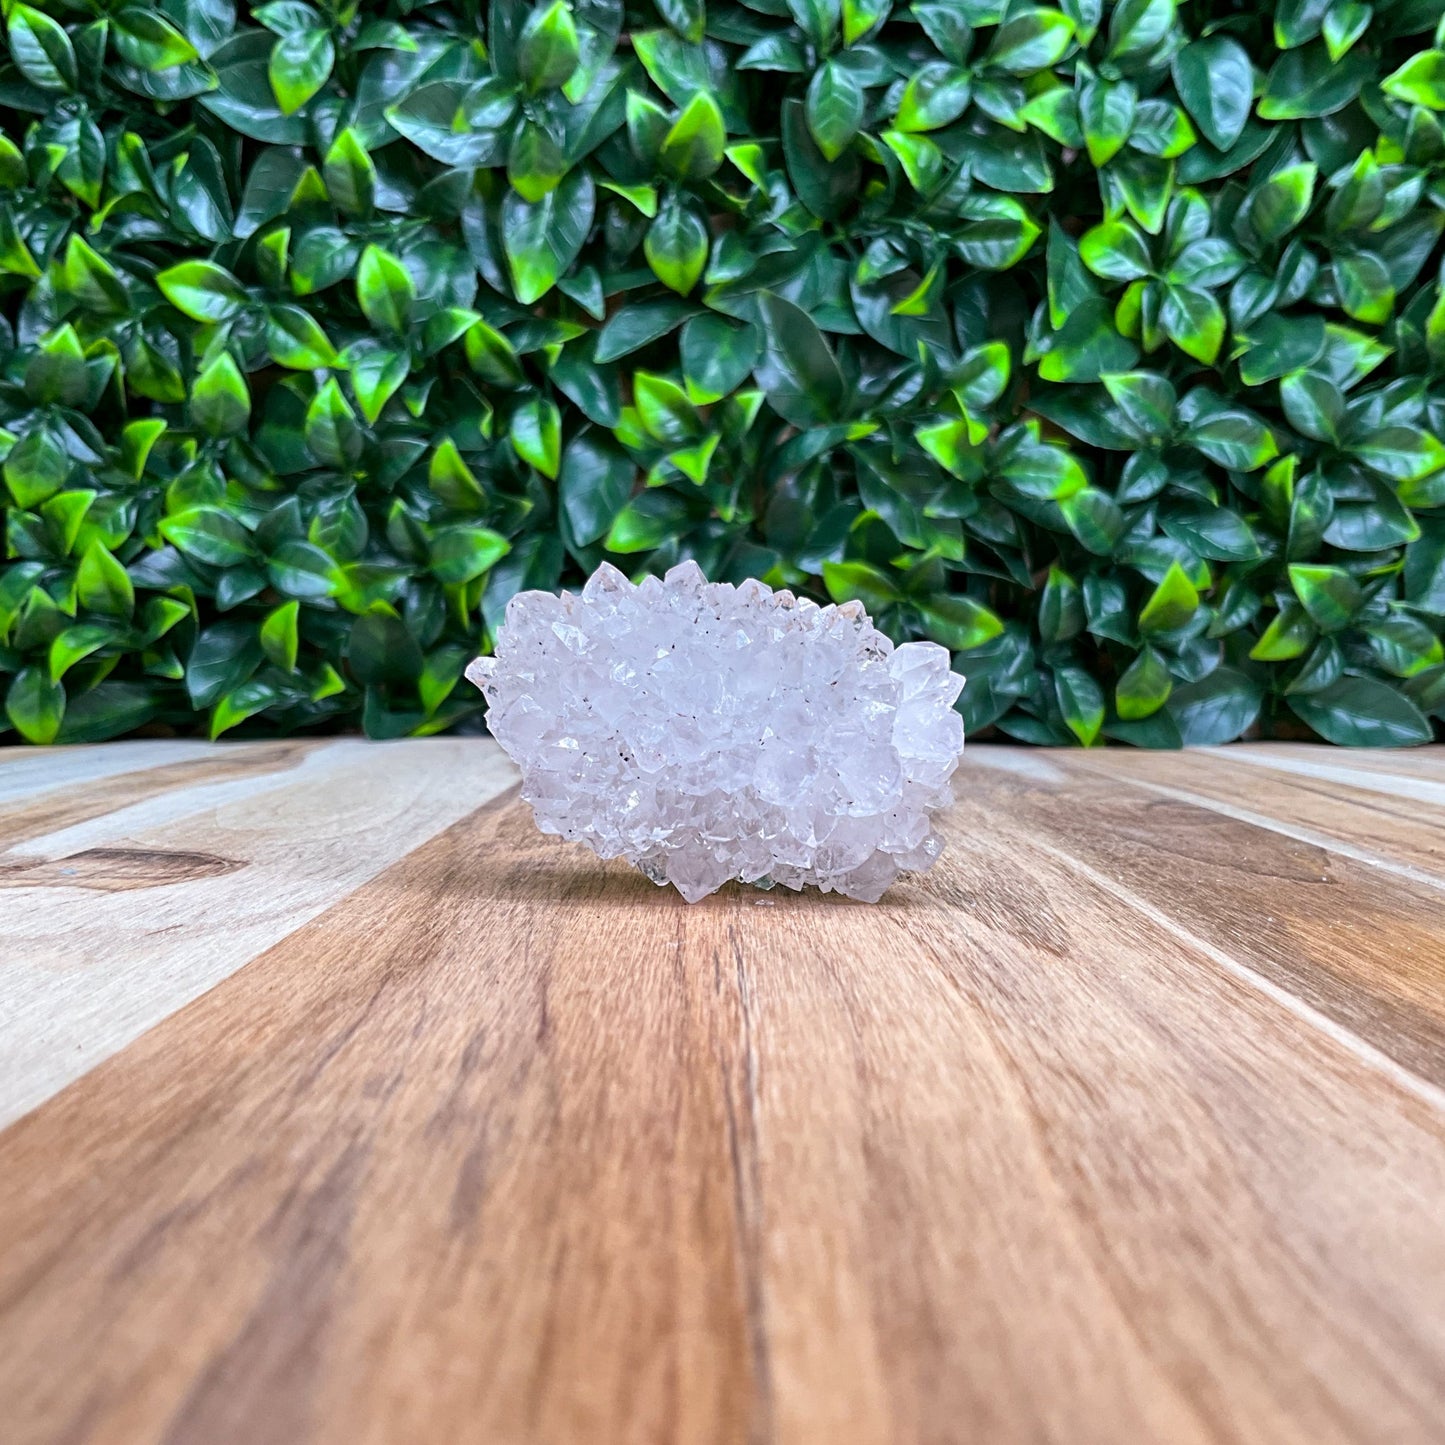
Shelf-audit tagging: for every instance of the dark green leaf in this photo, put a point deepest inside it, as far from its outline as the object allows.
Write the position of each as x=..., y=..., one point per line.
x=202, y=291
x=692, y=149
x=1107, y=112
x=148, y=40
x=646, y=522
x=1061, y=608
x=797, y=371
x=381, y=649
x=834, y=108
x=717, y=356
x=1216, y=83
x=1217, y=709
x=42, y=50
x=536, y=434
x=1363, y=712
x=384, y=290
x=221, y=400
x=594, y=484
x=1306, y=83
x=1032, y=39
x=209, y=535
x=1172, y=604
x=638, y=325
x=1330, y=595
x=959, y=622
x=1137, y=26
x=1116, y=251
x=332, y=433
x=294, y=339
x=1087, y=347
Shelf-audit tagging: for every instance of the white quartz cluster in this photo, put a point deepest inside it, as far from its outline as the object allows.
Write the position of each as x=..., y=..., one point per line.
x=709, y=732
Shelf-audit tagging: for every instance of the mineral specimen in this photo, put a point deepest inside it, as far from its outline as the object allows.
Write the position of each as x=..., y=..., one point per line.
x=709, y=732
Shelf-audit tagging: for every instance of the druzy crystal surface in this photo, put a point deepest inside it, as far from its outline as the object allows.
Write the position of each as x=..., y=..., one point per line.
x=709, y=732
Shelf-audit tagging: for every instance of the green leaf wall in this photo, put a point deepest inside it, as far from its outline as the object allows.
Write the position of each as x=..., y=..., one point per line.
x=1104, y=344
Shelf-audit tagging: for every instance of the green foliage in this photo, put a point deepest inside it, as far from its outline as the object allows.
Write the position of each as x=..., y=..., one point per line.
x=1102, y=343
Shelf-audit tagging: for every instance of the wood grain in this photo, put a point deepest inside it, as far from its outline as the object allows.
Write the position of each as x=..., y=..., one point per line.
x=76, y=791
x=1089, y=1135
x=1341, y=937
x=128, y=898
x=1391, y=819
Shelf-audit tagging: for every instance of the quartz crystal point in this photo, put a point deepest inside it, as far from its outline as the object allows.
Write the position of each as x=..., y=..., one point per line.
x=709, y=732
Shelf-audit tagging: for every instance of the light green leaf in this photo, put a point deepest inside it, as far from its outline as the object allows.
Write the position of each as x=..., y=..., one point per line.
x=220, y=399
x=203, y=291
x=300, y=65
x=102, y=583
x=676, y=246
x=35, y=704
x=1171, y=605
x=935, y=96
x=693, y=147
x=542, y=238
x=536, y=434
x=548, y=48
x=384, y=290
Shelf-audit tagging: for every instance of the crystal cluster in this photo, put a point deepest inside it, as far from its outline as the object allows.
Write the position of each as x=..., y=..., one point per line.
x=709, y=732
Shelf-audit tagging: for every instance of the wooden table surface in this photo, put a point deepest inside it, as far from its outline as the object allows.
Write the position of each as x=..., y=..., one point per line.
x=342, y=1106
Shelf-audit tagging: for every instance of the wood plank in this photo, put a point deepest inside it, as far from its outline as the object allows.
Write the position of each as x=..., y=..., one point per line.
x=61, y=798
x=25, y=771
x=510, y=1146
x=1418, y=772
x=1399, y=827
x=1364, y=948
x=114, y=919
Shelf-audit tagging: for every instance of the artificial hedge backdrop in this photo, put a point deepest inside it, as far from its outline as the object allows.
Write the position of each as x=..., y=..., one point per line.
x=1104, y=344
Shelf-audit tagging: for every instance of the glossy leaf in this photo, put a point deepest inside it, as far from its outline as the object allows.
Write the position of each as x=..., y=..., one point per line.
x=542, y=238
x=300, y=65
x=717, y=356
x=1216, y=86
x=384, y=290
x=693, y=147
x=548, y=48
x=221, y=400
x=1144, y=686
x=1171, y=605
x=202, y=291
x=936, y=95
x=1217, y=709
x=676, y=246
x=1363, y=712
x=35, y=705
x=798, y=371
x=536, y=434
x=594, y=484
